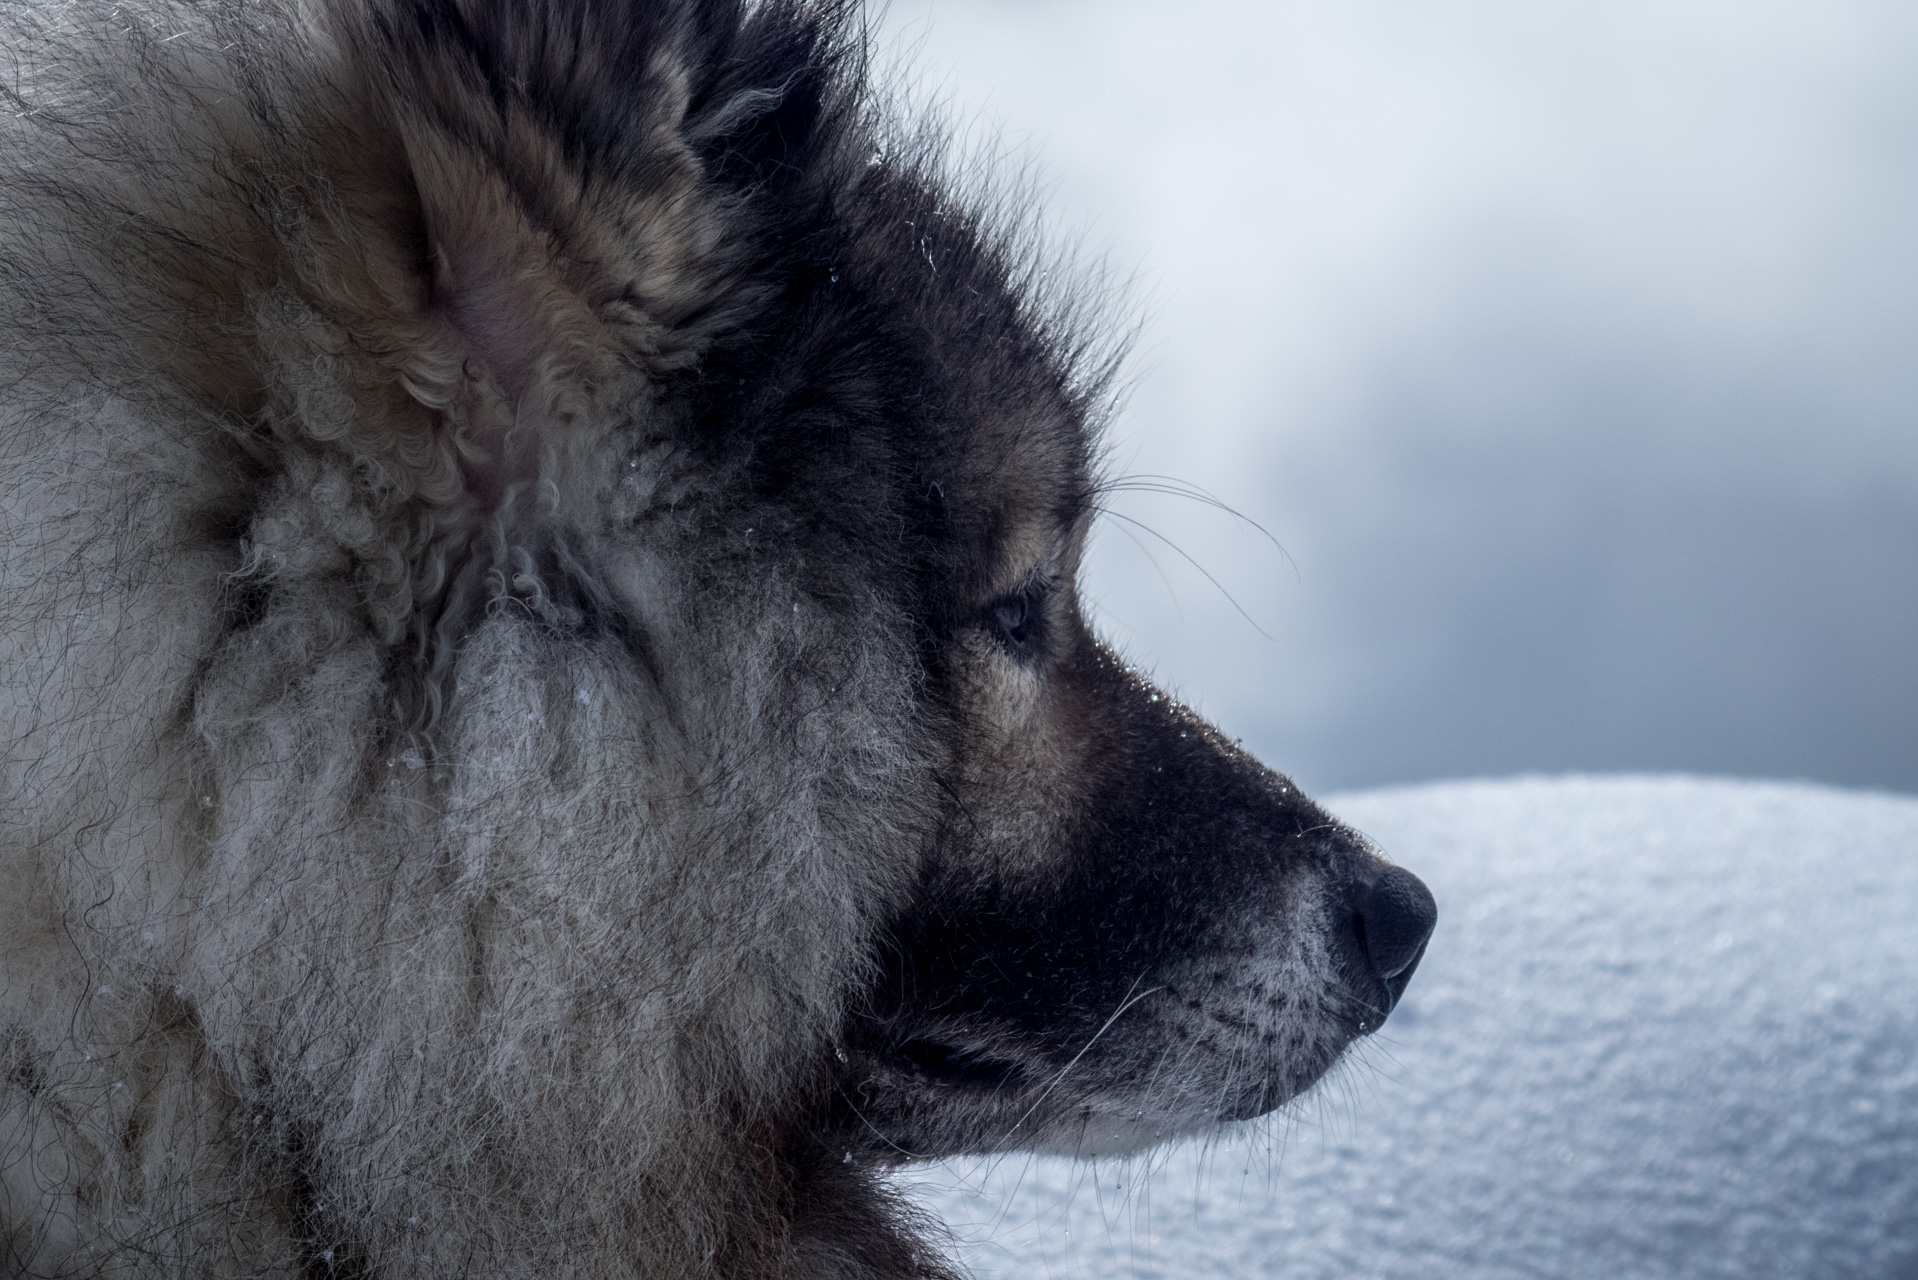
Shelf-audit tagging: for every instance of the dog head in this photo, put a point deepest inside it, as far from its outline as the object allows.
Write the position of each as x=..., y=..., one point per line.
x=627, y=639
x=705, y=329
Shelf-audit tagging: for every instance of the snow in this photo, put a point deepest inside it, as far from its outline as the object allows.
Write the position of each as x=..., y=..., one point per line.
x=1665, y=1029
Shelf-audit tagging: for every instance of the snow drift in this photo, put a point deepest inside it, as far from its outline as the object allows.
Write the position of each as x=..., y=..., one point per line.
x=1666, y=1029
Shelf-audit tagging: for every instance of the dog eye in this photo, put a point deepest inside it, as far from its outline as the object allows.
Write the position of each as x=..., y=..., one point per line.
x=1016, y=620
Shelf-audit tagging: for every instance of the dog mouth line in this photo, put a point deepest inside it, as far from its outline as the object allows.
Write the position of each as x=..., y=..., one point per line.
x=943, y=1061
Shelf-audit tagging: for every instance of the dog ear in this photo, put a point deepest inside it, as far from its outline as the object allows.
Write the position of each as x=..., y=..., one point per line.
x=590, y=181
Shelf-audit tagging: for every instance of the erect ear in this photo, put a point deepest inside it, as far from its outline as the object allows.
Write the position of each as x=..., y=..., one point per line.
x=565, y=229
x=598, y=186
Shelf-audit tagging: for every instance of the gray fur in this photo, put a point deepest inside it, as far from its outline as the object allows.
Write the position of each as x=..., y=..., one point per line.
x=504, y=509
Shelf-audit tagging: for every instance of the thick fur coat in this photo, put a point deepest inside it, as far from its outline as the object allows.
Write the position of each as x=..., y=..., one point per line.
x=547, y=729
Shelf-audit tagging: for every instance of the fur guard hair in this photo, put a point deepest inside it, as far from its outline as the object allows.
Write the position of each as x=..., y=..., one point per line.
x=547, y=728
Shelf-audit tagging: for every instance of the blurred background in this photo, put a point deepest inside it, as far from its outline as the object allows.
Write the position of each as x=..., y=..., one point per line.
x=1568, y=353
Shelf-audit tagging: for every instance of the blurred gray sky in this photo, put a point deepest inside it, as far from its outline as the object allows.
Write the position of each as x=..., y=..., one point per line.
x=1568, y=350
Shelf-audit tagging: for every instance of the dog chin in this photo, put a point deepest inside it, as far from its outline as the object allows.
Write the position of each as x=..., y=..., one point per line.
x=906, y=1113
x=1099, y=1134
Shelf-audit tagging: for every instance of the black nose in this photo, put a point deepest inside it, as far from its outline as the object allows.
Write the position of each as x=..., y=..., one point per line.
x=1395, y=919
x=1391, y=923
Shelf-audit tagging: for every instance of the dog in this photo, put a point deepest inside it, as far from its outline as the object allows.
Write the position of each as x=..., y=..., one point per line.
x=549, y=728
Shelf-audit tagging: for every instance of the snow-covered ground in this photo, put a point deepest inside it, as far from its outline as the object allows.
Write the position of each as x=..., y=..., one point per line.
x=1667, y=1028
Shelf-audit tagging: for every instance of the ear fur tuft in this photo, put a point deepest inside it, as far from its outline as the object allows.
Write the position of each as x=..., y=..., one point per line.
x=585, y=174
